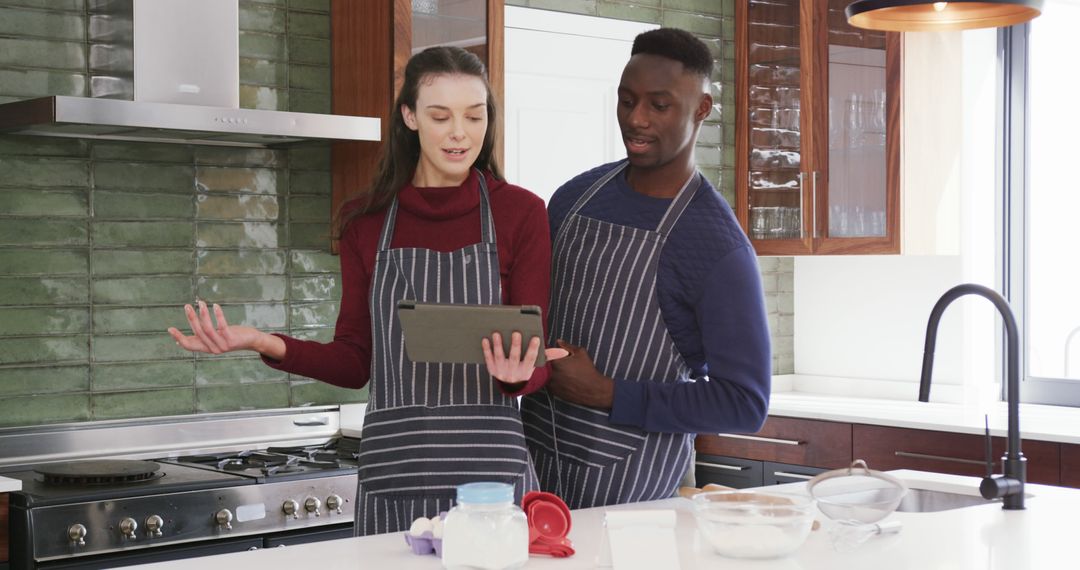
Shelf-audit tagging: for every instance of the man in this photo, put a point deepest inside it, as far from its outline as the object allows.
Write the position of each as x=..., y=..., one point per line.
x=656, y=294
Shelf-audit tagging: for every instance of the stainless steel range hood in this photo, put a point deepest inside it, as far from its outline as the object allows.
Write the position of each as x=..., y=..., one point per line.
x=168, y=71
x=86, y=117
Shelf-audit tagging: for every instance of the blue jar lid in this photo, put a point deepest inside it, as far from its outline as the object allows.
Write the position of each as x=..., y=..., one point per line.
x=485, y=493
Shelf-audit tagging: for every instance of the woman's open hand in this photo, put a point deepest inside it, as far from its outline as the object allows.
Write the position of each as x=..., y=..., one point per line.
x=514, y=368
x=224, y=337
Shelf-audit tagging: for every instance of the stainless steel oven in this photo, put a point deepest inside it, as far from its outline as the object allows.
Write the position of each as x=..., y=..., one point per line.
x=216, y=484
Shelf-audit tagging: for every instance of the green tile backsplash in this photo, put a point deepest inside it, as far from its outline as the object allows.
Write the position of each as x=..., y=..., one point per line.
x=102, y=242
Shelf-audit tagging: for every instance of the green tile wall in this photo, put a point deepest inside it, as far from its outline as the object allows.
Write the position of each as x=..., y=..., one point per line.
x=102, y=242
x=714, y=22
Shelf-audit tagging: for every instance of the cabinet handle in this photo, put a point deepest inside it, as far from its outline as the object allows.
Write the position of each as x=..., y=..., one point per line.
x=802, y=209
x=762, y=439
x=813, y=203
x=721, y=466
x=939, y=458
x=802, y=476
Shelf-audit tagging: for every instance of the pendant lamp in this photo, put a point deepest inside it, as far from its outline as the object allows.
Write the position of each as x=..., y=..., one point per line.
x=922, y=16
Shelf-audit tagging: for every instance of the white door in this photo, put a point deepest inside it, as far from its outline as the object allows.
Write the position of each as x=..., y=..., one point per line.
x=562, y=73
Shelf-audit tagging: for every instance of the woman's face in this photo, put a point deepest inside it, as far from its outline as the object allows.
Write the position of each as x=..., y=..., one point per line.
x=450, y=119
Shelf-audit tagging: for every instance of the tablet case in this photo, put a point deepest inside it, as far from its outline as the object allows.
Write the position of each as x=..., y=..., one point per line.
x=451, y=333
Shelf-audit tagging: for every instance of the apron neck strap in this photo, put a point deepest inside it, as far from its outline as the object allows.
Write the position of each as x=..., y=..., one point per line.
x=487, y=223
x=679, y=204
x=584, y=198
x=674, y=211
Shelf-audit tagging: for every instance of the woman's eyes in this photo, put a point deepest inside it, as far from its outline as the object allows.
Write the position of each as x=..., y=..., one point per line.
x=441, y=119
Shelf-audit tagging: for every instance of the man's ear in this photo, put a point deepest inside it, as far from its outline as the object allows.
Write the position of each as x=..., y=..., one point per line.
x=704, y=107
x=409, y=117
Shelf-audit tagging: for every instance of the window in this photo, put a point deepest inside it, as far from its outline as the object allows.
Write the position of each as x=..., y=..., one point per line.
x=1040, y=183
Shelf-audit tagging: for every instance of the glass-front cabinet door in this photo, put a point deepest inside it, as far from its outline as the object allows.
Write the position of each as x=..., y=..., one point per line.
x=818, y=157
x=772, y=125
x=461, y=23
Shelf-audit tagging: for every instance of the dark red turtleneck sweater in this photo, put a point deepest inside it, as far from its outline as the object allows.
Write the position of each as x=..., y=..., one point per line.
x=441, y=219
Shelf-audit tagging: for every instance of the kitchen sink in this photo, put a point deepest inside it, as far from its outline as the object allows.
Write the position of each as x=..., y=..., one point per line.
x=927, y=501
x=930, y=501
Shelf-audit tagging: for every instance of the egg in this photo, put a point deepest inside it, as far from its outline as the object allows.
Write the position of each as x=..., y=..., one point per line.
x=436, y=527
x=422, y=525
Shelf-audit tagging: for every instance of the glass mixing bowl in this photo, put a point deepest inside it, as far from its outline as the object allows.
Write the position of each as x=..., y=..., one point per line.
x=753, y=524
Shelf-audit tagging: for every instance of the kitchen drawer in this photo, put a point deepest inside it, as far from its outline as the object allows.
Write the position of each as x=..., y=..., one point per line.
x=306, y=536
x=781, y=473
x=1070, y=465
x=4, y=527
x=786, y=440
x=728, y=471
x=885, y=448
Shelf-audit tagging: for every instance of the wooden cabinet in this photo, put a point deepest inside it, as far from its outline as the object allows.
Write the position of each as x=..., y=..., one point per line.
x=886, y=448
x=1070, y=465
x=745, y=473
x=817, y=133
x=787, y=450
x=728, y=471
x=371, y=42
x=781, y=473
x=790, y=441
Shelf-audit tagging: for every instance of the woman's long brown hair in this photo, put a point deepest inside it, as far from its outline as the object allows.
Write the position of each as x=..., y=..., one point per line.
x=401, y=152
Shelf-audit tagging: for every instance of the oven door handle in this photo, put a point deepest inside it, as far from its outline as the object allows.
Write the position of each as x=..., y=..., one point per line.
x=312, y=422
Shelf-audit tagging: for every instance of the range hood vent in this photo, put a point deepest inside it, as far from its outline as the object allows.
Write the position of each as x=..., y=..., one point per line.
x=168, y=71
x=94, y=118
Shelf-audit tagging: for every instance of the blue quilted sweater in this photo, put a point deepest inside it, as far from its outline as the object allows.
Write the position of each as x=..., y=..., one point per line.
x=709, y=291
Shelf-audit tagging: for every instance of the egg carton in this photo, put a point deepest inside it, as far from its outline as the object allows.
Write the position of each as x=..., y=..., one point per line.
x=425, y=542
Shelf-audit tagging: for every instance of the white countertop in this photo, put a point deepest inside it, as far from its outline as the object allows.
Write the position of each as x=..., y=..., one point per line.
x=1045, y=423
x=980, y=537
x=7, y=485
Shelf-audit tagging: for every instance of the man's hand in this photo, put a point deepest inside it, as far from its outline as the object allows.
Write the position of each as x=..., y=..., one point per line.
x=576, y=379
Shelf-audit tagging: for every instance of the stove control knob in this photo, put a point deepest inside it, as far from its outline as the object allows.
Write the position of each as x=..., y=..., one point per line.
x=333, y=503
x=153, y=525
x=224, y=519
x=312, y=505
x=128, y=527
x=291, y=508
x=77, y=534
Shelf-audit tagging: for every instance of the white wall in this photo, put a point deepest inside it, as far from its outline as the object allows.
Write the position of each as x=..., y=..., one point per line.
x=562, y=74
x=865, y=316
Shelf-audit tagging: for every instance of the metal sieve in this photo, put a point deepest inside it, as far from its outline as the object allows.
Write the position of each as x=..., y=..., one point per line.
x=856, y=494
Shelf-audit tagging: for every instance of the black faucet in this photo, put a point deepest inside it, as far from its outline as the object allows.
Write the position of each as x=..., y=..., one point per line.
x=1010, y=485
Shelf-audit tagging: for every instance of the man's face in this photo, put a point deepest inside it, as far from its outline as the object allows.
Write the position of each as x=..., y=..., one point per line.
x=660, y=106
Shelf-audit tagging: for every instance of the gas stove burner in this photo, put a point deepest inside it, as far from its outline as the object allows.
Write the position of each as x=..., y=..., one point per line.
x=283, y=469
x=99, y=472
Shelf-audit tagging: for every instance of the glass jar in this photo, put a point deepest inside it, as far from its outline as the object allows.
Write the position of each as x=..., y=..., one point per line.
x=485, y=529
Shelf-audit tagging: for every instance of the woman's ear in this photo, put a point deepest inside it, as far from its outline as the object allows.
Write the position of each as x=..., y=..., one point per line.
x=409, y=117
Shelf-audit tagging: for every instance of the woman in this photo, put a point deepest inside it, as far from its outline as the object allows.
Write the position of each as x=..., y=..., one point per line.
x=438, y=225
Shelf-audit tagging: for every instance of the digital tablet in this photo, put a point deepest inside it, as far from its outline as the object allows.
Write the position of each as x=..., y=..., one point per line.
x=451, y=333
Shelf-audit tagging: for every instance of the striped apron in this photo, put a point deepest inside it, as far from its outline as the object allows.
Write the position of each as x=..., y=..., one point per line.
x=604, y=299
x=431, y=427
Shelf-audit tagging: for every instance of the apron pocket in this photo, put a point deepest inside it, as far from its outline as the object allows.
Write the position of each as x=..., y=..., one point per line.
x=417, y=451
x=581, y=434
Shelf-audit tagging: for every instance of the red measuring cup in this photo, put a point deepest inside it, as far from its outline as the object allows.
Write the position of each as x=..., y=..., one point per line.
x=549, y=523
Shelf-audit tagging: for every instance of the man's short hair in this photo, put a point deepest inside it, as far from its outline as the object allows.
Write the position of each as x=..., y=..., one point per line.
x=679, y=45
